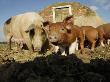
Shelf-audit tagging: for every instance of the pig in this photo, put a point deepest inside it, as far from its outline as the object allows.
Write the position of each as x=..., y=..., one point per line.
x=26, y=28
x=90, y=34
x=65, y=35
x=104, y=33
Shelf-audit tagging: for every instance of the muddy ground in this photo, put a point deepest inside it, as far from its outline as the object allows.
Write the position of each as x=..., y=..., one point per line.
x=18, y=66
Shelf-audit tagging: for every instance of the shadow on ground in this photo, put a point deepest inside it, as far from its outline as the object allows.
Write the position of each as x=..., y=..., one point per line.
x=56, y=68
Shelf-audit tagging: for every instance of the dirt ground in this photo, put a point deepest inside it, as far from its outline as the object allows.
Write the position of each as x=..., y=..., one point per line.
x=93, y=66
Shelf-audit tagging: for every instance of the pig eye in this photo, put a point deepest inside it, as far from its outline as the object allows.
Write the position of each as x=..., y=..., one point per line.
x=41, y=25
x=43, y=32
x=62, y=30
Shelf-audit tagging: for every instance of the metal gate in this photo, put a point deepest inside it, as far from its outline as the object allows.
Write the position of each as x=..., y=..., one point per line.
x=60, y=12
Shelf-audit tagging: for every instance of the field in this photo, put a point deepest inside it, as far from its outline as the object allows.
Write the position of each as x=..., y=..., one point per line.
x=18, y=66
x=92, y=66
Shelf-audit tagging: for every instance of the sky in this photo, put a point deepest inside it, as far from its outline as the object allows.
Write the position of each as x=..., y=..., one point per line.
x=10, y=8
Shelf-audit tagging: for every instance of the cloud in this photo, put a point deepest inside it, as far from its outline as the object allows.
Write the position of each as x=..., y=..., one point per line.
x=1, y=28
x=107, y=7
x=94, y=8
x=104, y=3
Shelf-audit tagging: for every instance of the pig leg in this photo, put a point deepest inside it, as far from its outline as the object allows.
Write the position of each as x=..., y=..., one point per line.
x=102, y=43
x=29, y=45
x=56, y=49
x=108, y=41
x=82, y=46
x=101, y=38
x=73, y=47
x=62, y=50
x=18, y=43
x=93, y=44
x=9, y=42
x=81, y=41
x=28, y=42
x=18, y=47
x=77, y=46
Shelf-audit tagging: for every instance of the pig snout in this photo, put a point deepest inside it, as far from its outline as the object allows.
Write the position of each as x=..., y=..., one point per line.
x=53, y=38
x=37, y=49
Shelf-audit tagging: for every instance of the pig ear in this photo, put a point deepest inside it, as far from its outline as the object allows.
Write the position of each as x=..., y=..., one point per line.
x=31, y=27
x=68, y=19
x=46, y=24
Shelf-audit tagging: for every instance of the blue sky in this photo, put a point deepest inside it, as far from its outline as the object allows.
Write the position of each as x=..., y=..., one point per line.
x=10, y=8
